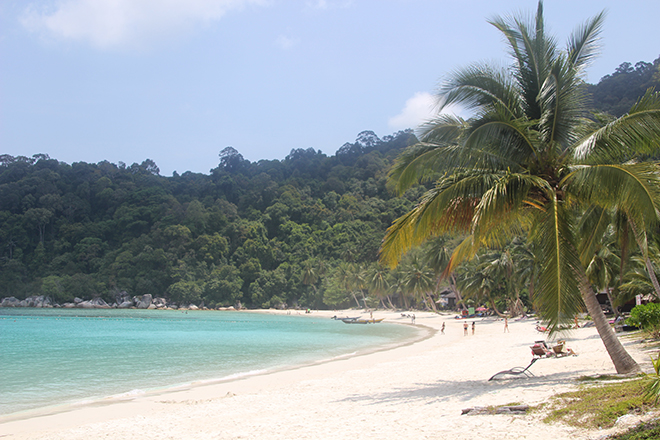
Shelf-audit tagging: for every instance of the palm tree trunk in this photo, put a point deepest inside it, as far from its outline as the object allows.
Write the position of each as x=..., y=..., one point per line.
x=355, y=298
x=623, y=362
x=454, y=288
x=492, y=304
x=430, y=300
x=610, y=298
x=645, y=252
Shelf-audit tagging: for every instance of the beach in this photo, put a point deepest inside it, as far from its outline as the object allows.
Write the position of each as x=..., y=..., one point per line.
x=415, y=391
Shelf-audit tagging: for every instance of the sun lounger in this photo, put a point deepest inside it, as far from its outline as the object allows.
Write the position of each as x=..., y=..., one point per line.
x=517, y=371
x=560, y=349
x=540, y=350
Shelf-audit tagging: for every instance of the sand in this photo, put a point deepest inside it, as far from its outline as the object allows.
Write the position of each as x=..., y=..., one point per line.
x=416, y=391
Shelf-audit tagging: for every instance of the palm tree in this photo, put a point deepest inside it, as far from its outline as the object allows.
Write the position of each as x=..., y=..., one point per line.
x=376, y=281
x=418, y=282
x=529, y=161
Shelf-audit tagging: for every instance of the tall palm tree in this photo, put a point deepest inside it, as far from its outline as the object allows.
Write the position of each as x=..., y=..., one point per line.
x=529, y=161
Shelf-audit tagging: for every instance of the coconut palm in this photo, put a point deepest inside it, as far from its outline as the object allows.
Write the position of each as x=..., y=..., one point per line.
x=376, y=280
x=418, y=282
x=529, y=161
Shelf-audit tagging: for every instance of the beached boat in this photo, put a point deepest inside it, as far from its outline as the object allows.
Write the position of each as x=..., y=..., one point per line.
x=362, y=321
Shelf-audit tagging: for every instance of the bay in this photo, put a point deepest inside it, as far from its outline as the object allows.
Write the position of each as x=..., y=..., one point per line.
x=65, y=356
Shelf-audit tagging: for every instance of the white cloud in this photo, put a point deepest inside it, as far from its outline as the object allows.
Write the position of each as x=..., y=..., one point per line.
x=416, y=111
x=111, y=23
x=286, y=43
x=421, y=108
x=325, y=4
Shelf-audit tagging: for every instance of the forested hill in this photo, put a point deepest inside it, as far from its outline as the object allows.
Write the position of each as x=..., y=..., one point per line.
x=263, y=233
x=303, y=231
x=616, y=93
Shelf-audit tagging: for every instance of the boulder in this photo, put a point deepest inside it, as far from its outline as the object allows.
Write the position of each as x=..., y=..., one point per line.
x=143, y=302
x=193, y=307
x=77, y=300
x=160, y=302
x=10, y=302
x=85, y=305
x=122, y=297
x=68, y=305
x=125, y=305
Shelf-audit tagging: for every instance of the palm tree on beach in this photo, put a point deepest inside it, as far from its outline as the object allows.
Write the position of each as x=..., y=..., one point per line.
x=529, y=161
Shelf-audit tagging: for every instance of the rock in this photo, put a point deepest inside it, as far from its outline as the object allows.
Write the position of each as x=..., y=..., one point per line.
x=96, y=303
x=68, y=305
x=39, y=301
x=160, y=302
x=23, y=303
x=125, y=305
x=193, y=307
x=77, y=300
x=152, y=306
x=143, y=302
x=10, y=302
x=122, y=297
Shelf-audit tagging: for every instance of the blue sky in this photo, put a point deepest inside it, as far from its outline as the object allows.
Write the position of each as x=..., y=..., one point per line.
x=177, y=81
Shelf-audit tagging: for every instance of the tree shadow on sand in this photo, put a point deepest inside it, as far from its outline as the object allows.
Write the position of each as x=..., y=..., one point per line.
x=464, y=390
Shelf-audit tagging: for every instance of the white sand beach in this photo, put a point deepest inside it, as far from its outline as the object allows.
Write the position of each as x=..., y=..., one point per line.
x=415, y=391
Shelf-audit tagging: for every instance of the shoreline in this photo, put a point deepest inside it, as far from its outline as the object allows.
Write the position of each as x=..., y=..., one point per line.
x=100, y=401
x=415, y=390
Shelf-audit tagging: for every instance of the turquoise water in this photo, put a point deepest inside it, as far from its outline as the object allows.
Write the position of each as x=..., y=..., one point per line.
x=62, y=356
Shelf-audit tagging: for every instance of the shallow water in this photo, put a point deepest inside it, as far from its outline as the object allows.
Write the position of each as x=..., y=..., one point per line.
x=60, y=356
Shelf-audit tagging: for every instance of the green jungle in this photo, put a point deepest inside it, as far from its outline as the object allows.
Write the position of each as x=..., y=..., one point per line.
x=300, y=232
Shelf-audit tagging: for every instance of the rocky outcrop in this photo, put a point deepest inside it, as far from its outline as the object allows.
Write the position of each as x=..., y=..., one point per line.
x=125, y=305
x=123, y=297
x=96, y=303
x=143, y=302
x=10, y=302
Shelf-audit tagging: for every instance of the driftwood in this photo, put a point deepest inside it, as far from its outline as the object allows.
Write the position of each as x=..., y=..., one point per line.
x=489, y=410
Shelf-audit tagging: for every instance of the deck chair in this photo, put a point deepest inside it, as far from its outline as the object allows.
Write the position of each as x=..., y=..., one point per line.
x=517, y=371
x=560, y=349
x=540, y=350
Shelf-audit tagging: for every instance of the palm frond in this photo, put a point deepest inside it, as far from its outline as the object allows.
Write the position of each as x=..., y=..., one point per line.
x=479, y=86
x=635, y=133
x=558, y=296
x=633, y=188
x=583, y=42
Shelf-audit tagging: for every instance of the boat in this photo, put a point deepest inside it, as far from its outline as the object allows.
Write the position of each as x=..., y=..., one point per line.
x=361, y=321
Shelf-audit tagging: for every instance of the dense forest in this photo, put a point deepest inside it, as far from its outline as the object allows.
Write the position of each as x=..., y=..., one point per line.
x=299, y=232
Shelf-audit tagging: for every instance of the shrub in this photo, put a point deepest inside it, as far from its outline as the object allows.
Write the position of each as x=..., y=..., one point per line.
x=646, y=316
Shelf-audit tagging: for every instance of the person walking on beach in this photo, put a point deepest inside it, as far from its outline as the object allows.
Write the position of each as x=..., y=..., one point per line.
x=465, y=327
x=442, y=329
x=413, y=318
x=472, y=327
x=506, y=325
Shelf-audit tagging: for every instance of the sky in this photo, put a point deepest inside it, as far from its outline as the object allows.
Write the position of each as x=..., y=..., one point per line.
x=177, y=81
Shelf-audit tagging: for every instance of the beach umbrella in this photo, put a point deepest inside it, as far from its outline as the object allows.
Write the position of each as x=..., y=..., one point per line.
x=481, y=309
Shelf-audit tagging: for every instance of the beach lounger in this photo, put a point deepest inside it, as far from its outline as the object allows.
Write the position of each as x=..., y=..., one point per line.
x=540, y=350
x=517, y=371
x=560, y=350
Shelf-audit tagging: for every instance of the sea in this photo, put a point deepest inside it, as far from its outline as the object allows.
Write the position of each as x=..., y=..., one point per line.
x=55, y=357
